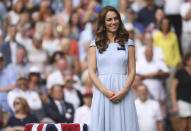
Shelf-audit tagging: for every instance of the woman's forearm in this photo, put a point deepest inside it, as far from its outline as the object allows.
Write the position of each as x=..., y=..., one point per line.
x=95, y=80
x=173, y=93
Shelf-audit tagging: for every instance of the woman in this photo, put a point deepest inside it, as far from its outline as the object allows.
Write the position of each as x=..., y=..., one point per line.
x=168, y=42
x=21, y=116
x=110, y=55
x=180, y=93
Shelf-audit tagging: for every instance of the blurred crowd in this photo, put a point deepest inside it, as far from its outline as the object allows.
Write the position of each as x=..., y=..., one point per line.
x=43, y=60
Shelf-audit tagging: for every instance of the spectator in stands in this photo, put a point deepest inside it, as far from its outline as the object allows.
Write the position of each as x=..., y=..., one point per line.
x=7, y=83
x=185, y=12
x=14, y=14
x=147, y=14
x=36, y=84
x=71, y=95
x=9, y=47
x=148, y=41
x=82, y=114
x=57, y=109
x=123, y=5
x=152, y=72
x=53, y=64
x=24, y=27
x=132, y=18
x=137, y=5
x=49, y=42
x=180, y=93
x=63, y=17
x=154, y=27
x=21, y=116
x=21, y=64
x=36, y=55
x=168, y=42
x=31, y=97
x=172, y=11
x=148, y=111
x=74, y=25
x=58, y=74
x=72, y=60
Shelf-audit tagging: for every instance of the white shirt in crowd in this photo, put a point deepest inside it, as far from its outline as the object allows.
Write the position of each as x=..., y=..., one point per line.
x=186, y=26
x=157, y=53
x=172, y=7
x=148, y=113
x=55, y=78
x=72, y=97
x=155, y=86
x=82, y=115
x=32, y=98
x=24, y=41
x=13, y=47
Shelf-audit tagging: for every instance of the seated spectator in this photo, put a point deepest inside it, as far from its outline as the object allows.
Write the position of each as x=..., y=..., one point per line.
x=71, y=94
x=35, y=84
x=36, y=55
x=152, y=72
x=180, y=93
x=148, y=111
x=58, y=74
x=49, y=42
x=21, y=116
x=10, y=45
x=148, y=41
x=7, y=83
x=53, y=65
x=21, y=64
x=31, y=97
x=72, y=60
x=57, y=109
x=82, y=114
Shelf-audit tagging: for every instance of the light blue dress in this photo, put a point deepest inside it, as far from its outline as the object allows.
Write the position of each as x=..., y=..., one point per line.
x=112, y=71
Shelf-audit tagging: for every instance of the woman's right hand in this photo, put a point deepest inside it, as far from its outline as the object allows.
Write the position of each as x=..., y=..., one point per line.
x=108, y=93
x=175, y=110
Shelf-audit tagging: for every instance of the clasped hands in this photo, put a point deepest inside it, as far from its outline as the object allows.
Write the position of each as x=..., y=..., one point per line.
x=115, y=96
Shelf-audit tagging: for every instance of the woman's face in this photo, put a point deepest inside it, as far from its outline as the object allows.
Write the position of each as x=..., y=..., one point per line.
x=111, y=22
x=19, y=7
x=165, y=25
x=17, y=105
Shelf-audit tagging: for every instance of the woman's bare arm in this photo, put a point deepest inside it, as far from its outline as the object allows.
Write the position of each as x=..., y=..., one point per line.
x=131, y=67
x=173, y=95
x=92, y=67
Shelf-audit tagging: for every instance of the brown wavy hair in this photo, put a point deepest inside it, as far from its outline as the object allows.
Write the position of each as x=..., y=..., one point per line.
x=122, y=34
x=24, y=104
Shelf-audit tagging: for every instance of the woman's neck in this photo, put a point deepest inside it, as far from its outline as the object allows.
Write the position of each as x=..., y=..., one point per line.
x=111, y=36
x=20, y=115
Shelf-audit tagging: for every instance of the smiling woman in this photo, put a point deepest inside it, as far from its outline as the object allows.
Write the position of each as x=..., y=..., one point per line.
x=111, y=56
x=110, y=23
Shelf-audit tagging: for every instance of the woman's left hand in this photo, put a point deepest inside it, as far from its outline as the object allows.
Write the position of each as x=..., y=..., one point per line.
x=119, y=95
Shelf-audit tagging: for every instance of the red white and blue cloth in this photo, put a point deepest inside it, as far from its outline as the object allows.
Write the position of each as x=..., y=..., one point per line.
x=56, y=127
